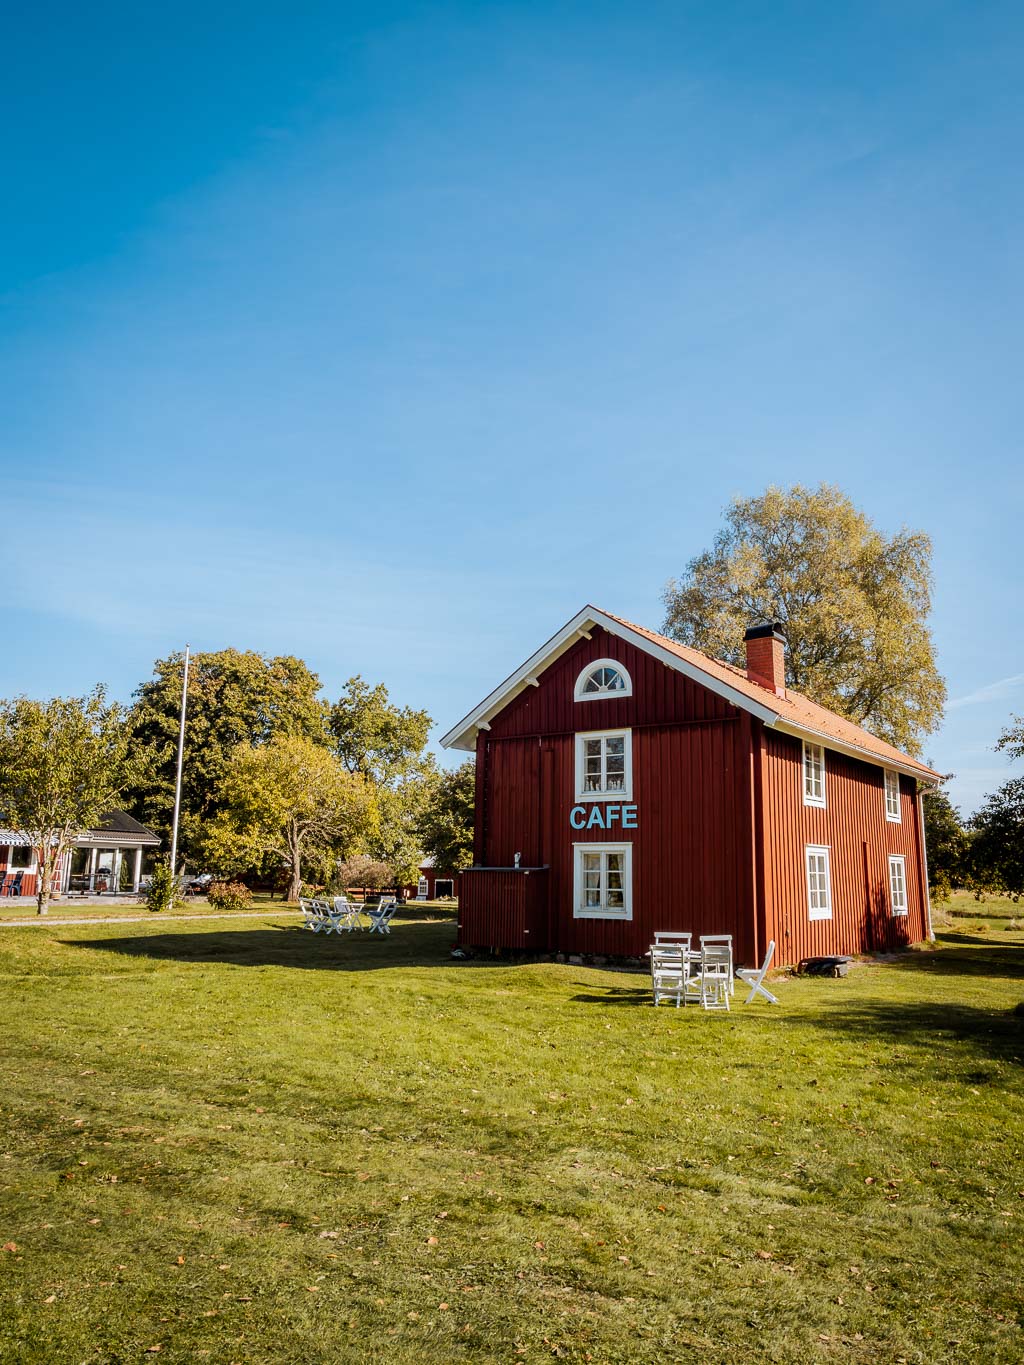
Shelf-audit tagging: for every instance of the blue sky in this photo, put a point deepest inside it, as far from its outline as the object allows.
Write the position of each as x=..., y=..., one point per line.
x=390, y=335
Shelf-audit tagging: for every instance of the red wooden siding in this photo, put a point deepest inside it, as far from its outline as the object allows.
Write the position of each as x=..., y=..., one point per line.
x=692, y=863
x=503, y=908
x=859, y=838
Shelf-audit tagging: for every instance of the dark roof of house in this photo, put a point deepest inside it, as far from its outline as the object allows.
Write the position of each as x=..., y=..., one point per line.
x=120, y=822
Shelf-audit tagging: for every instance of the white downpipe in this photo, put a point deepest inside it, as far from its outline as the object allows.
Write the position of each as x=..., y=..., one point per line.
x=181, y=755
x=924, y=856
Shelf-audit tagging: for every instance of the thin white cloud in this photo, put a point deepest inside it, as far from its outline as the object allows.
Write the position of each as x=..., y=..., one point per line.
x=993, y=691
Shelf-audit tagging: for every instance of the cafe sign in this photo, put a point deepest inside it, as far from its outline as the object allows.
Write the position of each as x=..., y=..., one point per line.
x=603, y=817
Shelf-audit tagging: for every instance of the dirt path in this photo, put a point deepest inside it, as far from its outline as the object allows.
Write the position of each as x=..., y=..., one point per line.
x=41, y=921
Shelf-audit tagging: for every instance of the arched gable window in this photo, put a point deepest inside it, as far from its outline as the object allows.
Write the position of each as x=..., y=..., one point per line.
x=603, y=678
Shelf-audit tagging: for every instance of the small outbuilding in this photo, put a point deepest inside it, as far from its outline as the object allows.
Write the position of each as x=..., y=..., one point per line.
x=627, y=783
x=109, y=859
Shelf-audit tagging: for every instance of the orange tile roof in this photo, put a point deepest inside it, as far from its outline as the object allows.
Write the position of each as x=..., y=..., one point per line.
x=795, y=708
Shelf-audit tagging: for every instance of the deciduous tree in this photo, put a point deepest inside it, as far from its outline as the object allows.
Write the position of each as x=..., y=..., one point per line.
x=446, y=819
x=374, y=737
x=947, y=842
x=997, y=846
x=63, y=766
x=292, y=798
x=853, y=603
x=234, y=697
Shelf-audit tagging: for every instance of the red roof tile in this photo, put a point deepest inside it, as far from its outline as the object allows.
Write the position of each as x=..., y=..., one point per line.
x=795, y=708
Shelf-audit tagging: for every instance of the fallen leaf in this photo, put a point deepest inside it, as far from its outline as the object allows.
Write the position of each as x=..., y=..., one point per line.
x=443, y=1307
x=432, y=1241
x=9, y=1246
x=764, y=1255
x=52, y=1299
x=180, y=1260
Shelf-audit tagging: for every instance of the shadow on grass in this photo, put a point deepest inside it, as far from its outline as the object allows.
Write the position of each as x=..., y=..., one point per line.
x=966, y=955
x=931, y=1025
x=421, y=944
x=616, y=995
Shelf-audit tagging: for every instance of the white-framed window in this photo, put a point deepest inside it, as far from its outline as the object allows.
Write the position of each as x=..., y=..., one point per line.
x=603, y=678
x=892, y=797
x=604, y=764
x=603, y=881
x=814, y=774
x=897, y=885
x=22, y=858
x=819, y=882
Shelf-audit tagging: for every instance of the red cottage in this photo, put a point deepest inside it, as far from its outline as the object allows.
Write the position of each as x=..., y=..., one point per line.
x=627, y=783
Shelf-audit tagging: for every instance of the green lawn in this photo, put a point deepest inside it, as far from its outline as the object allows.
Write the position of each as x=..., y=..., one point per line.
x=73, y=907
x=995, y=911
x=243, y=1142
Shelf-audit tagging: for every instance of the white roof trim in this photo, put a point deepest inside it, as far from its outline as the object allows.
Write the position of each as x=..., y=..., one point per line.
x=895, y=765
x=463, y=735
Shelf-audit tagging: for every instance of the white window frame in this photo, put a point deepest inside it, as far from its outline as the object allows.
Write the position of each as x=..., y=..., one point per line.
x=898, y=911
x=449, y=882
x=810, y=799
x=31, y=868
x=625, y=793
x=891, y=782
x=581, y=682
x=579, y=910
x=815, y=912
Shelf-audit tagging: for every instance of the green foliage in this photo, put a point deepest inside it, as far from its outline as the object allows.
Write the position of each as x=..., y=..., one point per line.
x=375, y=738
x=63, y=766
x=234, y=698
x=997, y=846
x=947, y=843
x=852, y=601
x=164, y=889
x=229, y=895
x=292, y=798
x=446, y=818
x=1011, y=741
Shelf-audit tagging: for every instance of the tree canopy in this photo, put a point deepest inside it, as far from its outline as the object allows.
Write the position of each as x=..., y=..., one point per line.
x=374, y=737
x=853, y=603
x=947, y=843
x=446, y=818
x=234, y=698
x=63, y=766
x=293, y=799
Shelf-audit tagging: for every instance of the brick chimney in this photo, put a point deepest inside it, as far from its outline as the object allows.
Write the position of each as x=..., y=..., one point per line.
x=766, y=657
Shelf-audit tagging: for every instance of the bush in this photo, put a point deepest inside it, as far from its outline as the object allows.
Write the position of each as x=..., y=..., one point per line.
x=164, y=889
x=229, y=895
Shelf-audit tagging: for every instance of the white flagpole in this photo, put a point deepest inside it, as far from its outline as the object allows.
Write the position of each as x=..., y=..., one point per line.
x=181, y=755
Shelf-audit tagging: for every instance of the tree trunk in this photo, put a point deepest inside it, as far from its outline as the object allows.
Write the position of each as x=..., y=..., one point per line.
x=44, y=882
x=295, y=849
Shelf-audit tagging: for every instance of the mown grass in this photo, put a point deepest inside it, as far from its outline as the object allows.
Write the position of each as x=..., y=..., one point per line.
x=243, y=1142
x=965, y=910
x=74, y=907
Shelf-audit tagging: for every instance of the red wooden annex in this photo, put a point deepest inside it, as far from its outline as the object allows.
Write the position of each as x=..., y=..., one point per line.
x=627, y=783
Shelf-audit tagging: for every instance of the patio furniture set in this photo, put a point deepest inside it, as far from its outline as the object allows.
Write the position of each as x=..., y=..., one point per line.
x=11, y=884
x=332, y=916
x=703, y=976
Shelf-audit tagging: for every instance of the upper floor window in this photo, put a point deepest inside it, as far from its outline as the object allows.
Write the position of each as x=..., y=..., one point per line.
x=898, y=885
x=604, y=765
x=892, y=796
x=604, y=678
x=814, y=774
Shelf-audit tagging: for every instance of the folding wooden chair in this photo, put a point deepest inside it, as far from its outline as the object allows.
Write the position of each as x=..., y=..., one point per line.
x=380, y=918
x=715, y=975
x=313, y=915
x=669, y=967
x=754, y=977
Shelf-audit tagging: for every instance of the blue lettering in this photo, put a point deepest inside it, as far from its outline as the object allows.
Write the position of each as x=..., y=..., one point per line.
x=577, y=816
x=596, y=818
x=611, y=814
x=629, y=817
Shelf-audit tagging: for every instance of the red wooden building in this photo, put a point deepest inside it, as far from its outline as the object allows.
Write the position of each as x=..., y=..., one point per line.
x=627, y=783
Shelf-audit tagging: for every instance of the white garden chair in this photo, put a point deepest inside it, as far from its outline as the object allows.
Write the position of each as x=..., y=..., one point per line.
x=754, y=977
x=314, y=916
x=669, y=967
x=380, y=916
x=713, y=981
